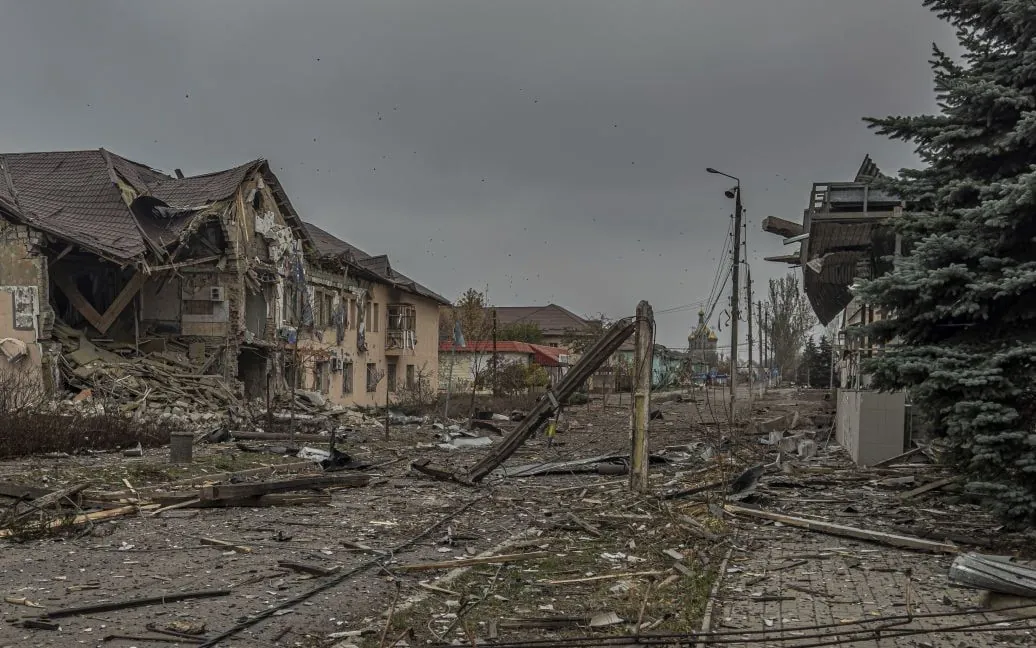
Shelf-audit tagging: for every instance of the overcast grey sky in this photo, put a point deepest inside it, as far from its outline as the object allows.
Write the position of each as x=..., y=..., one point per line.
x=552, y=149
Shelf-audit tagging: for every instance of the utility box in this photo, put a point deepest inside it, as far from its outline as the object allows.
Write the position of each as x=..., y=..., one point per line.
x=871, y=425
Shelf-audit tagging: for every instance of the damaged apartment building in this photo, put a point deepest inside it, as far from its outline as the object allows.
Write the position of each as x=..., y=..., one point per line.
x=202, y=289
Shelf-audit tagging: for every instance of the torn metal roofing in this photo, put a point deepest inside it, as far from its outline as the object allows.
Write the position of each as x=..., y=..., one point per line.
x=329, y=245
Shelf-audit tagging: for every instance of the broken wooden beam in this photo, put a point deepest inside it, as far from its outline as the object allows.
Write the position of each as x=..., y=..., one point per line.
x=173, y=501
x=467, y=562
x=840, y=530
x=935, y=485
x=237, y=491
x=594, y=579
x=545, y=407
x=110, y=606
x=213, y=542
x=897, y=458
x=114, y=496
x=57, y=496
x=87, y=517
x=312, y=570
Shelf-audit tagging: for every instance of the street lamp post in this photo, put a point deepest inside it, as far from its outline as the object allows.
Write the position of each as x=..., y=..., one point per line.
x=735, y=310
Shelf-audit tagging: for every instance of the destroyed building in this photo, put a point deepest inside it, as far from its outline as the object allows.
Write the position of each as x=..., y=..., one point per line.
x=204, y=289
x=845, y=235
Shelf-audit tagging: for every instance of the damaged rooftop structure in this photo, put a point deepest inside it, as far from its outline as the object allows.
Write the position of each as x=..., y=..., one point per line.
x=200, y=290
x=845, y=236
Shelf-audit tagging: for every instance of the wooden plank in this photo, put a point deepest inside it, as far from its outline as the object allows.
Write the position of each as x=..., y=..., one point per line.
x=57, y=496
x=80, y=303
x=89, y=517
x=594, y=579
x=236, y=491
x=840, y=530
x=467, y=562
x=935, y=485
x=171, y=597
x=312, y=570
x=213, y=542
x=897, y=458
x=114, y=496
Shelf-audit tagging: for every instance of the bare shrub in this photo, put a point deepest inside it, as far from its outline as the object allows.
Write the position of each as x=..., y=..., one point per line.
x=20, y=391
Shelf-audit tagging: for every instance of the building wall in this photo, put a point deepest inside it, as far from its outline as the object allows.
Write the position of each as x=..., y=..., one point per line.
x=322, y=344
x=23, y=296
x=466, y=363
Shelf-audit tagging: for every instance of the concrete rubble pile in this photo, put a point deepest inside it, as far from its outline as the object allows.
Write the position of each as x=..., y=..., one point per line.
x=169, y=386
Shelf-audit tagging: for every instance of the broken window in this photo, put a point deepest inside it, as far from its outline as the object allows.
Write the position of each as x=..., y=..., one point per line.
x=347, y=378
x=292, y=306
x=324, y=315
x=374, y=322
x=372, y=377
x=322, y=377
x=368, y=307
x=411, y=380
x=402, y=324
x=392, y=377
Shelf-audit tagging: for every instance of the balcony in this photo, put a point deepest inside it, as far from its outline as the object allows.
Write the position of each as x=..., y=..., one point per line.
x=401, y=334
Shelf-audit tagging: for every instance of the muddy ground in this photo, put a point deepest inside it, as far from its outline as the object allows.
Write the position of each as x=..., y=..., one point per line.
x=643, y=561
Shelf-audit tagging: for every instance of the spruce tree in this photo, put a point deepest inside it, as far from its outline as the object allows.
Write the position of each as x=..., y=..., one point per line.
x=963, y=300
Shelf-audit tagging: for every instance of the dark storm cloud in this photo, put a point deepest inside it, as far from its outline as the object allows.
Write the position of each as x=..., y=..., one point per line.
x=552, y=150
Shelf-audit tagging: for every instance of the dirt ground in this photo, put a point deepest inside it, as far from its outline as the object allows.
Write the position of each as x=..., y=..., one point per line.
x=640, y=561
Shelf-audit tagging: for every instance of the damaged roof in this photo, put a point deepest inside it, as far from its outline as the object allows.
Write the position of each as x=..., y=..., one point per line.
x=329, y=245
x=73, y=195
x=76, y=195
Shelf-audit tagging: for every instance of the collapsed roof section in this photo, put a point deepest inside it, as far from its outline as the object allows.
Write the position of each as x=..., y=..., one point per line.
x=118, y=208
x=841, y=236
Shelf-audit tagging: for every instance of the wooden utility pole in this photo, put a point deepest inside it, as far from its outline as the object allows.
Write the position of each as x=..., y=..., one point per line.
x=735, y=309
x=751, y=369
x=642, y=367
x=762, y=343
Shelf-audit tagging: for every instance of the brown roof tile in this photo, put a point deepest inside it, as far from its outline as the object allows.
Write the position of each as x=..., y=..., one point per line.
x=552, y=319
x=73, y=194
x=328, y=244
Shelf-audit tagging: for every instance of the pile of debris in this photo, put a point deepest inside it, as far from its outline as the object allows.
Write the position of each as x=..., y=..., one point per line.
x=165, y=384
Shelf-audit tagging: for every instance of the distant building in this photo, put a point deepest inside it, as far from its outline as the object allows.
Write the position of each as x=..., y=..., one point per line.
x=460, y=366
x=555, y=322
x=701, y=347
